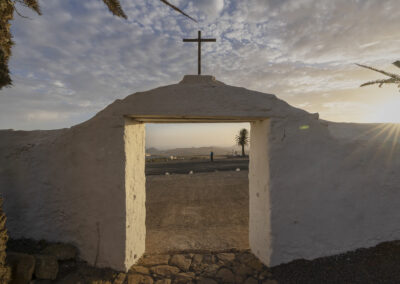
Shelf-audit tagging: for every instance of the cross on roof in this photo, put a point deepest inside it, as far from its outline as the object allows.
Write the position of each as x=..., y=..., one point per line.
x=199, y=40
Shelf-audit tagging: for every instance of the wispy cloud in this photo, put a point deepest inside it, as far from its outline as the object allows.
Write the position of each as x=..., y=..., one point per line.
x=77, y=57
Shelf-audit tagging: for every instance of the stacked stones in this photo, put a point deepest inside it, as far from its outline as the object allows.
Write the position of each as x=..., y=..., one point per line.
x=43, y=265
x=6, y=15
x=209, y=268
x=5, y=271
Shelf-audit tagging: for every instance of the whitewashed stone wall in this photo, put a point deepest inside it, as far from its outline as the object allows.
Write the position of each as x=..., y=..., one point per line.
x=323, y=188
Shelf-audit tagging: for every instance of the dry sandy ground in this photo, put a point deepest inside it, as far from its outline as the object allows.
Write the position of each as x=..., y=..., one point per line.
x=203, y=211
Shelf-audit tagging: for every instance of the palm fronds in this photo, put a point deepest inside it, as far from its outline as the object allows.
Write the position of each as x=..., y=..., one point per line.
x=115, y=7
x=243, y=137
x=394, y=78
x=177, y=9
x=34, y=5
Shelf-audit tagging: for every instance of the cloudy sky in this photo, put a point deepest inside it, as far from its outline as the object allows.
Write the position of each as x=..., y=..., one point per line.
x=77, y=58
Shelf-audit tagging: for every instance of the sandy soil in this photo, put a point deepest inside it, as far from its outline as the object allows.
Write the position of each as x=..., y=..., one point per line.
x=204, y=211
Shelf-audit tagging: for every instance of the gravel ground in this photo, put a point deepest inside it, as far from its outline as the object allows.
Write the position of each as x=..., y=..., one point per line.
x=380, y=264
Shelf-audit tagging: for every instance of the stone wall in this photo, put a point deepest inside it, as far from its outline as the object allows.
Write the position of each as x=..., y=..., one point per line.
x=334, y=187
x=316, y=188
x=6, y=15
x=5, y=271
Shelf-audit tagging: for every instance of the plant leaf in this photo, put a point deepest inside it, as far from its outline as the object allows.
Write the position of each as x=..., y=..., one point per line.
x=115, y=7
x=177, y=9
x=34, y=5
x=395, y=76
x=380, y=82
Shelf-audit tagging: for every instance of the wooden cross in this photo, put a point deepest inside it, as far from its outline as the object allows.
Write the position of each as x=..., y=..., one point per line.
x=199, y=40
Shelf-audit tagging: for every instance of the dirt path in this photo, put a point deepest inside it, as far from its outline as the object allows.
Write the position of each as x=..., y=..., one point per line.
x=204, y=211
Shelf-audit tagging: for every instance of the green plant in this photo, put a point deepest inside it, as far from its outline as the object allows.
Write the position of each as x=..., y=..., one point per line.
x=243, y=139
x=393, y=78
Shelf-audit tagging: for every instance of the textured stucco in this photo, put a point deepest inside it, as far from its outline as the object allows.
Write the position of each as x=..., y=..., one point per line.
x=135, y=187
x=332, y=187
x=259, y=192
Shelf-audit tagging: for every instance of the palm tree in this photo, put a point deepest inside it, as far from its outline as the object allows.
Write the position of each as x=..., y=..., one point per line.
x=243, y=139
x=394, y=78
x=7, y=8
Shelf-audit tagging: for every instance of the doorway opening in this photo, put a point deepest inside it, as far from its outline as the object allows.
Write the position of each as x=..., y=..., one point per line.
x=197, y=189
x=215, y=208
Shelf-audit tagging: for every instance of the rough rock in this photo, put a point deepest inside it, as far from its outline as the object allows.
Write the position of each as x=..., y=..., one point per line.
x=163, y=281
x=242, y=270
x=251, y=280
x=270, y=281
x=184, y=277
x=264, y=275
x=61, y=251
x=197, y=259
x=181, y=261
x=156, y=259
x=5, y=274
x=140, y=269
x=206, y=281
x=251, y=261
x=210, y=270
x=120, y=279
x=164, y=270
x=209, y=259
x=226, y=275
x=226, y=257
x=22, y=266
x=46, y=267
x=5, y=271
x=139, y=279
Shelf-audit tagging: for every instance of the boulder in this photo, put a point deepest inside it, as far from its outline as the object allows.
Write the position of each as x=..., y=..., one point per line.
x=270, y=281
x=181, y=261
x=251, y=280
x=120, y=278
x=139, y=279
x=140, y=269
x=61, y=251
x=22, y=266
x=226, y=257
x=46, y=267
x=5, y=274
x=164, y=281
x=225, y=275
x=164, y=270
x=251, y=261
x=210, y=270
x=206, y=281
x=154, y=259
x=184, y=277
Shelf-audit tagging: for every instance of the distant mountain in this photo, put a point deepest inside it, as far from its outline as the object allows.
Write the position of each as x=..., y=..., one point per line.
x=194, y=151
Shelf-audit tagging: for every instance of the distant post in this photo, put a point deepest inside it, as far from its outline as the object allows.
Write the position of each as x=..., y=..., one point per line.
x=212, y=156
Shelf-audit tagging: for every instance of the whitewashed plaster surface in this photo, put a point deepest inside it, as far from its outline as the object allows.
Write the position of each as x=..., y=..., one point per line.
x=328, y=191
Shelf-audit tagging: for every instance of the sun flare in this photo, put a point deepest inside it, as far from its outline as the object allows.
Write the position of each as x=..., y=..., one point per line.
x=388, y=111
